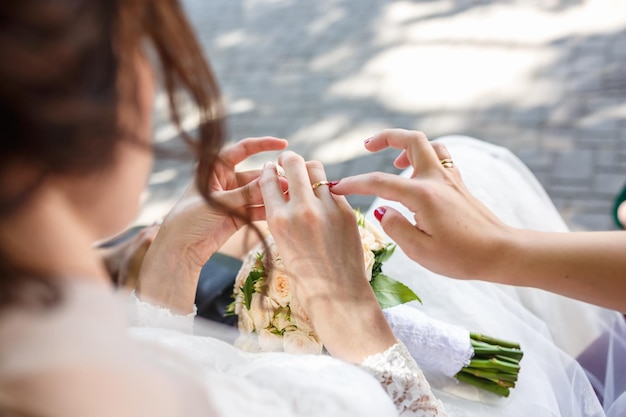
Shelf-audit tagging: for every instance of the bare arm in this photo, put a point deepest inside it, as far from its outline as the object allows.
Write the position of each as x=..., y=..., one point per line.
x=589, y=266
x=454, y=234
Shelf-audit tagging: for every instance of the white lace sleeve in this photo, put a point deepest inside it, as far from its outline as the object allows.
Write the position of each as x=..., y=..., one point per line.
x=144, y=314
x=404, y=382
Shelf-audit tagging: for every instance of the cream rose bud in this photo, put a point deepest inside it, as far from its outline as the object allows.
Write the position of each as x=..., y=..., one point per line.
x=278, y=287
x=262, y=311
x=367, y=238
x=299, y=342
x=368, y=257
x=243, y=274
x=282, y=319
x=380, y=241
x=245, y=321
x=270, y=342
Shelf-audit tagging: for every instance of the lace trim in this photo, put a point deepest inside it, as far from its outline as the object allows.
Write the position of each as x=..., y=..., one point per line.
x=144, y=314
x=404, y=381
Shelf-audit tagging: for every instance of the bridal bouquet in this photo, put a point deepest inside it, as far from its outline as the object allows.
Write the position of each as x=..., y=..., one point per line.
x=269, y=319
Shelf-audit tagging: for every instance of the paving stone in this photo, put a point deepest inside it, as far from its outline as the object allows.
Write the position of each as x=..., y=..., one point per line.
x=609, y=184
x=277, y=62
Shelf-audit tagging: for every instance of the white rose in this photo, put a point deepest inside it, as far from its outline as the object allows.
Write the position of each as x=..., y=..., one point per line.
x=249, y=263
x=262, y=311
x=270, y=342
x=367, y=238
x=368, y=257
x=278, y=286
x=299, y=342
x=245, y=321
x=379, y=239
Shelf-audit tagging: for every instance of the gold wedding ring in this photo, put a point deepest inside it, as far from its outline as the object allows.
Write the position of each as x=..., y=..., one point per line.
x=447, y=163
x=319, y=184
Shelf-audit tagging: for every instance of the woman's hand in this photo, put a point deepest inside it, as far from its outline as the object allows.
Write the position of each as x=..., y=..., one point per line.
x=199, y=230
x=317, y=236
x=192, y=231
x=453, y=233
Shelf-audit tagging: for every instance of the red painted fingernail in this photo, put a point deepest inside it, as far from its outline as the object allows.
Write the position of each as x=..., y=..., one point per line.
x=331, y=184
x=379, y=213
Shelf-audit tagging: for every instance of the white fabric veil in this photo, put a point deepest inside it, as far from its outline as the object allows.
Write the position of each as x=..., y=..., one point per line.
x=551, y=329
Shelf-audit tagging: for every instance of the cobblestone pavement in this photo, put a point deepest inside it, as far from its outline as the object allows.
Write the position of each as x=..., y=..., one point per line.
x=546, y=78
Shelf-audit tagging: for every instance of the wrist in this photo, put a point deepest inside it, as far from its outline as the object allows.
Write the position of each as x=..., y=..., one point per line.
x=353, y=333
x=165, y=278
x=508, y=247
x=179, y=249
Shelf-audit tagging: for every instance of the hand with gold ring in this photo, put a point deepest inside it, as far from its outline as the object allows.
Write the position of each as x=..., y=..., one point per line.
x=451, y=233
x=317, y=236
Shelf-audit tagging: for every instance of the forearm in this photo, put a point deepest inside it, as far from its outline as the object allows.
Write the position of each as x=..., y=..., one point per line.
x=589, y=266
x=167, y=277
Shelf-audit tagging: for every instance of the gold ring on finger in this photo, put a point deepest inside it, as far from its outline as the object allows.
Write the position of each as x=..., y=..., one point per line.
x=319, y=184
x=447, y=163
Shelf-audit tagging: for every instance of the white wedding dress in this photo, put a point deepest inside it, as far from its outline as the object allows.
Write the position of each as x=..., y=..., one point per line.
x=158, y=368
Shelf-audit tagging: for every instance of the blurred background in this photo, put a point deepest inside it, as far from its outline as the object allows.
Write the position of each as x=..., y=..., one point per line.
x=545, y=78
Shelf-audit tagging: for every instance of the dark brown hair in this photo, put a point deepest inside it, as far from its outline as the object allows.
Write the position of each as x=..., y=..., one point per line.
x=63, y=66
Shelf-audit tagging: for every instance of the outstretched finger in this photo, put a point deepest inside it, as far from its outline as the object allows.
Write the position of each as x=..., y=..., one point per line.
x=416, y=145
x=238, y=152
x=402, y=161
x=270, y=187
x=297, y=176
x=246, y=177
x=446, y=161
x=388, y=186
x=319, y=183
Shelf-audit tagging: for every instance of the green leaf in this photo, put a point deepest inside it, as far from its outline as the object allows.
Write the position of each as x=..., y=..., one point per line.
x=390, y=292
x=248, y=286
x=230, y=309
x=384, y=254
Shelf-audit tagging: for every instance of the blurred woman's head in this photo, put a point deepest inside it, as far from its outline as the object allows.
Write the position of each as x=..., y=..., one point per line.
x=76, y=93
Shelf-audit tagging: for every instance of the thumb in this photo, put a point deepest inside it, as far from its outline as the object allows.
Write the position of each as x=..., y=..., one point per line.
x=401, y=230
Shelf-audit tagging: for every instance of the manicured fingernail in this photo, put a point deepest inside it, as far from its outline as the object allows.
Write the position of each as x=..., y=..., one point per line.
x=379, y=213
x=331, y=184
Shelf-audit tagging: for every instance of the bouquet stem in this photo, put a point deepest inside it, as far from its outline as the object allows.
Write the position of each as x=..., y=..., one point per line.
x=495, y=366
